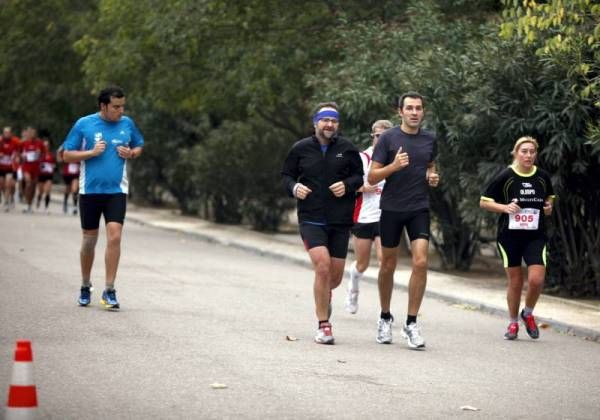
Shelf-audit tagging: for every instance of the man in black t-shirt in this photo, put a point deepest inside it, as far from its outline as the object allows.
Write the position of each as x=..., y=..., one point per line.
x=404, y=157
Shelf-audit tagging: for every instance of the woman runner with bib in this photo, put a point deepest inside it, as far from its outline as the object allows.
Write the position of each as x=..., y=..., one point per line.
x=523, y=195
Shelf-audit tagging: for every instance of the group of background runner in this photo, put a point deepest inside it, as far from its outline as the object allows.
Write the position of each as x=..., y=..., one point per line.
x=28, y=164
x=386, y=189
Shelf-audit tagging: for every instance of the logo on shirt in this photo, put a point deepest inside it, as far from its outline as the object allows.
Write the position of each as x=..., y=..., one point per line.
x=339, y=155
x=527, y=189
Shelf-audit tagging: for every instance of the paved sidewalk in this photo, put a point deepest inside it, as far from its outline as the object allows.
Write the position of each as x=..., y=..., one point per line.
x=567, y=316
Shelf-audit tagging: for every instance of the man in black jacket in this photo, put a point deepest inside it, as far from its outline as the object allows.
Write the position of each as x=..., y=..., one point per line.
x=324, y=172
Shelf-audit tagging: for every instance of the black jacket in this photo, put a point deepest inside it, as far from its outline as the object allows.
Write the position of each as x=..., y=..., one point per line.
x=306, y=164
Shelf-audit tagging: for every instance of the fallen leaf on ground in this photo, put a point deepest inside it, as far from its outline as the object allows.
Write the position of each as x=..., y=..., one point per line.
x=543, y=325
x=217, y=385
x=341, y=361
x=469, y=408
x=465, y=306
x=291, y=338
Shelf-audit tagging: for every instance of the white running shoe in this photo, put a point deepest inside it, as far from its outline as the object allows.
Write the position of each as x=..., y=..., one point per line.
x=351, y=300
x=324, y=334
x=412, y=333
x=384, y=330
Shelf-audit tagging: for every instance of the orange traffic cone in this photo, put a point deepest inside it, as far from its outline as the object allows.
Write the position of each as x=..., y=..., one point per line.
x=22, y=394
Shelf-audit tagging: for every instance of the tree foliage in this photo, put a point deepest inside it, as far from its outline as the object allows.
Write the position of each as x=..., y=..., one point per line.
x=566, y=36
x=566, y=32
x=222, y=89
x=40, y=72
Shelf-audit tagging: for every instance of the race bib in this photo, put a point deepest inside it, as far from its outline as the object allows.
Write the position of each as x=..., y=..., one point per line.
x=526, y=219
x=32, y=156
x=46, y=168
x=5, y=160
x=73, y=168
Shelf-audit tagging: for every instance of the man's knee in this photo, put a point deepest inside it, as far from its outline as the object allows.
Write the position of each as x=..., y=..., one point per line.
x=388, y=263
x=362, y=265
x=88, y=243
x=323, y=269
x=420, y=263
x=114, y=239
x=113, y=234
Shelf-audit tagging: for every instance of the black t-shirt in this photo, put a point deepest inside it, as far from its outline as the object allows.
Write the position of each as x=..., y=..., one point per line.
x=530, y=191
x=406, y=189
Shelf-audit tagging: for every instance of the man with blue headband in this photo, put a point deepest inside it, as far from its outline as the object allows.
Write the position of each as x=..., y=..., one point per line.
x=323, y=172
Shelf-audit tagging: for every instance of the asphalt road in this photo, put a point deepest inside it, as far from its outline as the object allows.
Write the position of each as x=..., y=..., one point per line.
x=196, y=314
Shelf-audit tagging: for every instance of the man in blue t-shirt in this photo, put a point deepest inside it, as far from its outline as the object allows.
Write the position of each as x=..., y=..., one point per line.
x=103, y=142
x=405, y=158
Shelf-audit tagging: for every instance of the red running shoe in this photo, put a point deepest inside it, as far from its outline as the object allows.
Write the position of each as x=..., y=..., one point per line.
x=512, y=332
x=530, y=325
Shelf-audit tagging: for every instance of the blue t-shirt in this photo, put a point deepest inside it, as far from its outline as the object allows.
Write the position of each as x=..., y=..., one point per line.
x=107, y=172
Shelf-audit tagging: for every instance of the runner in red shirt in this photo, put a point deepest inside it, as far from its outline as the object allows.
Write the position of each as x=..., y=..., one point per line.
x=47, y=166
x=70, y=174
x=9, y=152
x=32, y=150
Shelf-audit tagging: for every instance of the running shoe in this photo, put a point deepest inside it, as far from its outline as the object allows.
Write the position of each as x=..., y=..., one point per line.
x=85, y=297
x=352, y=300
x=412, y=333
x=384, y=330
x=324, y=334
x=109, y=299
x=530, y=325
x=512, y=331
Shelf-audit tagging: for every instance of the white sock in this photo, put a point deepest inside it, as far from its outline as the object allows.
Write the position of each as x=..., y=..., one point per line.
x=355, y=276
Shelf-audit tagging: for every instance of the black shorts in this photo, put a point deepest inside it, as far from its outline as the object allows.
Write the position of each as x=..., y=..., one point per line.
x=514, y=249
x=69, y=178
x=334, y=237
x=366, y=230
x=44, y=177
x=3, y=173
x=92, y=206
x=392, y=223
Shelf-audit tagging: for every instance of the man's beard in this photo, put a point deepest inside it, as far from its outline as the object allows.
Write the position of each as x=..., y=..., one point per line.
x=327, y=134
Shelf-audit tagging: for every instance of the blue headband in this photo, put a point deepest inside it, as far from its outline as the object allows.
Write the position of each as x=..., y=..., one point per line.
x=327, y=113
